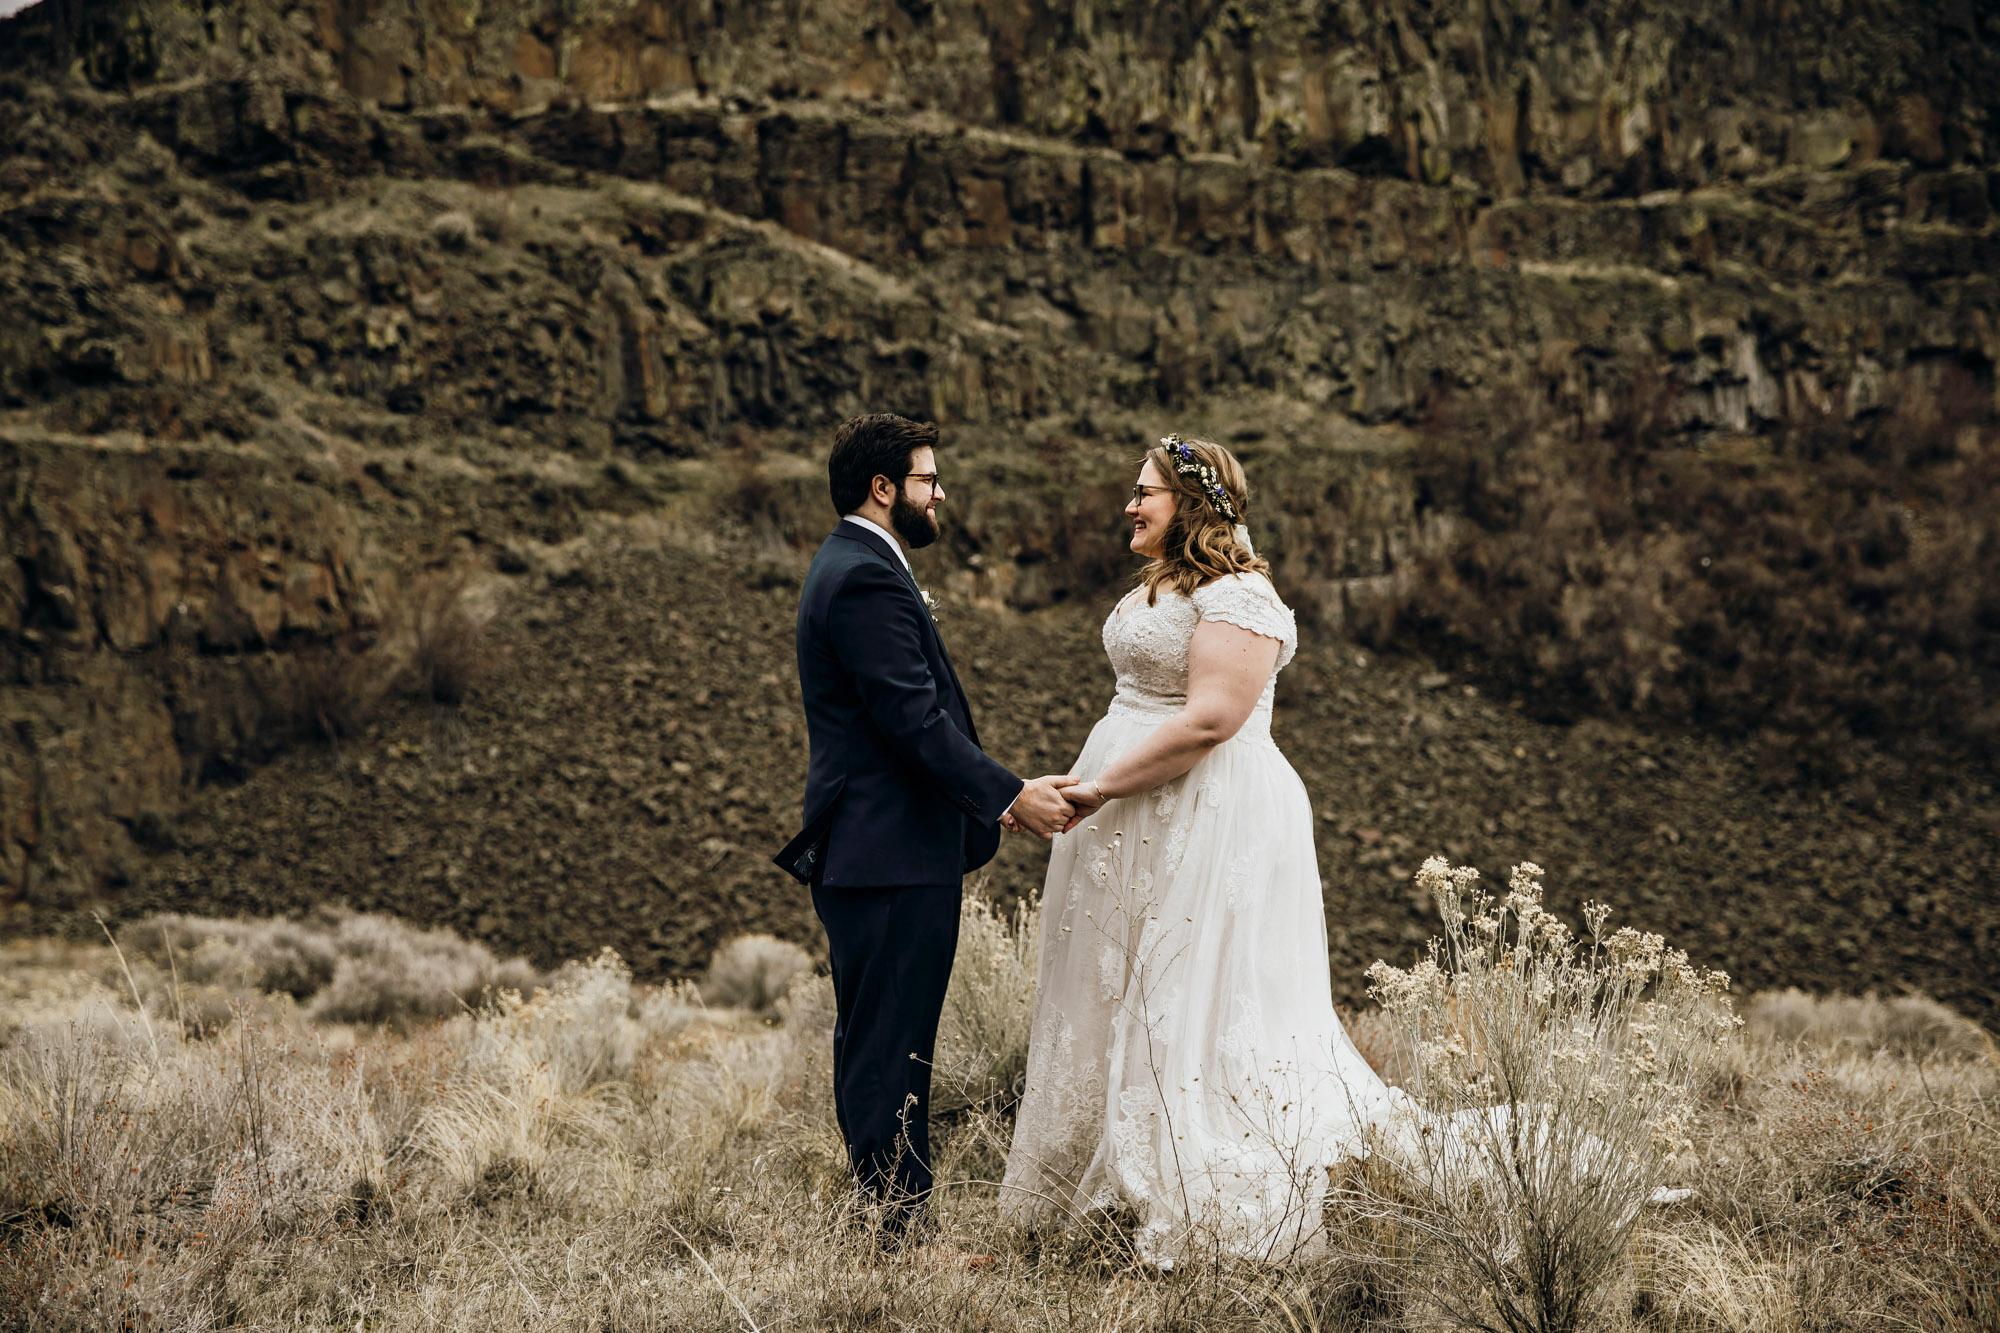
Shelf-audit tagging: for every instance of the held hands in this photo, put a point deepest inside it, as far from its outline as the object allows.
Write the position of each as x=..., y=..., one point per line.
x=1041, y=808
x=1084, y=797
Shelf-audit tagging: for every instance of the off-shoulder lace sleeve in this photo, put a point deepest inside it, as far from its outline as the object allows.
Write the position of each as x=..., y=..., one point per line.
x=1249, y=600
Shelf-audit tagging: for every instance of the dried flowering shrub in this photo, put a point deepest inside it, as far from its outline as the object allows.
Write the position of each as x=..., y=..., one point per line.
x=1556, y=1083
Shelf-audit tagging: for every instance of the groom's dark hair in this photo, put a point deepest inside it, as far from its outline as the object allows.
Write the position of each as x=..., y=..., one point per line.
x=877, y=445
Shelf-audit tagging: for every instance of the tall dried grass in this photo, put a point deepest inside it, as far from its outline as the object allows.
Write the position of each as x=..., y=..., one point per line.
x=538, y=1076
x=1912, y=1027
x=982, y=1052
x=138, y=1176
x=610, y=1156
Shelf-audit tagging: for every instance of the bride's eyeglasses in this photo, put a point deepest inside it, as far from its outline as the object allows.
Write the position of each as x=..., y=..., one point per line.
x=1140, y=491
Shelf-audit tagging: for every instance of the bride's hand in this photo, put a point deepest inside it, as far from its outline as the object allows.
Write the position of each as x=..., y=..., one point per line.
x=1086, y=797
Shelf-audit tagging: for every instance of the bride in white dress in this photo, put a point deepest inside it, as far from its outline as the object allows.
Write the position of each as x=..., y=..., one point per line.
x=1185, y=1058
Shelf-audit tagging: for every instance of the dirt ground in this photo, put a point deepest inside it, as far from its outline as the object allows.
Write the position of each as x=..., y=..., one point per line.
x=633, y=752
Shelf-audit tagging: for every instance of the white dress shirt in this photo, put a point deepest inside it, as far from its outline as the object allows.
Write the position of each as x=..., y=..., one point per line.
x=887, y=536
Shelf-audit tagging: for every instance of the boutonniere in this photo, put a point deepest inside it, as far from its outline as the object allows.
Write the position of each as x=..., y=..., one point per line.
x=930, y=604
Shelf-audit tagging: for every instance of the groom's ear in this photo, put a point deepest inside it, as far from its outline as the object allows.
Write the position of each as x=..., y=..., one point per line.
x=882, y=490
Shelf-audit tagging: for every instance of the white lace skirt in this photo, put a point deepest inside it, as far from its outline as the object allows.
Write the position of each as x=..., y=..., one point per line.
x=1185, y=1057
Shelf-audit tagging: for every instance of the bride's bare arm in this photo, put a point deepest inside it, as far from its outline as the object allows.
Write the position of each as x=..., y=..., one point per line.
x=1227, y=669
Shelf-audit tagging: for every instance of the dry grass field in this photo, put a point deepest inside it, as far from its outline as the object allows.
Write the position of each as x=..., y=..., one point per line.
x=349, y=1123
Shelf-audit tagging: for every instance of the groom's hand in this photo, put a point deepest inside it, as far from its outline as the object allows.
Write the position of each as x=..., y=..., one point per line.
x=1040, y=808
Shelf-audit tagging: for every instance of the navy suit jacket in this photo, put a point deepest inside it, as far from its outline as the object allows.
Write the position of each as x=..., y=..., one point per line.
x=898, y=791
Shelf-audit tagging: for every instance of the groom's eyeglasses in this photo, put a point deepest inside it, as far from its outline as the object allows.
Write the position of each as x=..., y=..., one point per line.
x=929, y=479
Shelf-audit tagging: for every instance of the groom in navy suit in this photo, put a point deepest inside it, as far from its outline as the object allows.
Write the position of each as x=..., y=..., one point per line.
x=900, y=800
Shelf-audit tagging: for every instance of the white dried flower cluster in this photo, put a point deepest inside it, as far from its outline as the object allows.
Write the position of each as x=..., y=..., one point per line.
x=1403, y=990
x=1595, y=1046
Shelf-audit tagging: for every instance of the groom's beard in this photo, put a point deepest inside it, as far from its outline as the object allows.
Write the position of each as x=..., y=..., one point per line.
x=913, y=523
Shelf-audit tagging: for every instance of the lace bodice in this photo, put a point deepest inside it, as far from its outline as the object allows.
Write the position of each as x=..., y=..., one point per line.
x=1148, y=645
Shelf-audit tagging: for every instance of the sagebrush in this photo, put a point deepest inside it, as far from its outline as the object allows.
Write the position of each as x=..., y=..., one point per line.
x=347, y=967
x=1561, y=1082
x=591, y=1153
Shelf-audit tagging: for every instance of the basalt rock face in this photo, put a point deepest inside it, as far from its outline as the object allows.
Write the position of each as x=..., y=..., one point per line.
x=143, y=593
x=1592, y=99
x=1346, y=205
x=305, y=300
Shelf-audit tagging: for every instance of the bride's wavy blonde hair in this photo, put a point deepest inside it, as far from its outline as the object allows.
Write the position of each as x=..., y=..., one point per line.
x=1201, y=540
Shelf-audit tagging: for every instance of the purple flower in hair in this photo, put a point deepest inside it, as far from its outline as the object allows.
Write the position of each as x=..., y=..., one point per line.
x=1205, y=476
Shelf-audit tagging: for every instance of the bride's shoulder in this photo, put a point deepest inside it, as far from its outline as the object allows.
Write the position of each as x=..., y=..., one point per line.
x=1247, y=599
x=1240, y=577
x=1239, y=584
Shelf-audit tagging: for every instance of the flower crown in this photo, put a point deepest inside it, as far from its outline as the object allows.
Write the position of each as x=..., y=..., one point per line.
x=1205, y=476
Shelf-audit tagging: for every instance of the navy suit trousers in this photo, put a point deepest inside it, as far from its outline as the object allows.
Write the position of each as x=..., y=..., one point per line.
x=891, y=950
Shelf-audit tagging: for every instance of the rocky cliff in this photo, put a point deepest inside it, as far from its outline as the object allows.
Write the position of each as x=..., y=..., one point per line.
x=314, y=308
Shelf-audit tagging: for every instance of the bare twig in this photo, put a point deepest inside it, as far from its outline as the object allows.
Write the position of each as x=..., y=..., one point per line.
x=714, y=1277
x=520, y=1279
x=141, y=1004
x=180, y=1014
